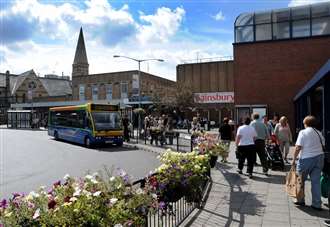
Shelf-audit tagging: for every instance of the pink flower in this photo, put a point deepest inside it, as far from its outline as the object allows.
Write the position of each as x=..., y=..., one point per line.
x=31, y=205
x=36, y=214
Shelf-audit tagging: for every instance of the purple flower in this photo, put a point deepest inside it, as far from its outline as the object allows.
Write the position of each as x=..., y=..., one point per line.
x=3, y=204
x=57, y=183
x=17, y=202
x=50, y=191
x=161, y=205
x=162, y=186
x=17, y=194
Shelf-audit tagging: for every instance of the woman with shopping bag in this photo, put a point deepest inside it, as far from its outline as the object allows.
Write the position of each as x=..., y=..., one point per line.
x=294, y=184
x=310, y=162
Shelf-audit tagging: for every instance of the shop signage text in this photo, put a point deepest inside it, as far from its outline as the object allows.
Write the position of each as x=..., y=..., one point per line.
x=214, y=97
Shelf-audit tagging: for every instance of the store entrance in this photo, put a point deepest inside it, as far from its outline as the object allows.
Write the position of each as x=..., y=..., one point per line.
x=316, y=106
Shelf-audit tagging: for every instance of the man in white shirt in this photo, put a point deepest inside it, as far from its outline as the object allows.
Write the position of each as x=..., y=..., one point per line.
x=245, y=138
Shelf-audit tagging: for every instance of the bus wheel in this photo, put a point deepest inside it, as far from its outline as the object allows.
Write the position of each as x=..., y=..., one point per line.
x=88, y=142
x=56, y=135
x=119, y=144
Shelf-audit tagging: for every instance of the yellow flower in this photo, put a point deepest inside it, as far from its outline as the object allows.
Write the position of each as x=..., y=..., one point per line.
x=67, y=204
x=8, y=214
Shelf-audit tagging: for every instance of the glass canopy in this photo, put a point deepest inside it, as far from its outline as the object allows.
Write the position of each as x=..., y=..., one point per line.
x=296, y=22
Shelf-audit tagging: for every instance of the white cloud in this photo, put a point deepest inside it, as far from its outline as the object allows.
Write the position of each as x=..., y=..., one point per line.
x=304, y=2
x=219, y=16
x=162, y=25
x=108, y=31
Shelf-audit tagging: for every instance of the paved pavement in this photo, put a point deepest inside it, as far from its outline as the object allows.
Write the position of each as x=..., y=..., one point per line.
x=235, y=200
x=30, y=158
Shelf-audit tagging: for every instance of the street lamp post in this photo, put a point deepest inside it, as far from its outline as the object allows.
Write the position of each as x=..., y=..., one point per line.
x=139, y=90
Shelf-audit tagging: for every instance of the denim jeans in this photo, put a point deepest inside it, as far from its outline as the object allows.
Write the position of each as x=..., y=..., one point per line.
x=312, y=167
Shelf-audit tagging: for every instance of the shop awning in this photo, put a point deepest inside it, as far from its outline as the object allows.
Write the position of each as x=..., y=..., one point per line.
x=324, y=70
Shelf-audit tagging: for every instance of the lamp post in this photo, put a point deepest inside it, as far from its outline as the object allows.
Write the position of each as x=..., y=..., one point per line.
x=139, y=90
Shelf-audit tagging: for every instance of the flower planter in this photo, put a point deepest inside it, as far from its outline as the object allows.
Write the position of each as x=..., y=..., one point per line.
x=213, y=161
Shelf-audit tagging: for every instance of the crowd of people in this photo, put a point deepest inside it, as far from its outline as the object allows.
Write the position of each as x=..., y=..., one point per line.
x=159, y=129
x=309, y=158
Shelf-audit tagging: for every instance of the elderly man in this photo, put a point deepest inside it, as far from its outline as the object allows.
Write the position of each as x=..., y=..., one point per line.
x=262, y=135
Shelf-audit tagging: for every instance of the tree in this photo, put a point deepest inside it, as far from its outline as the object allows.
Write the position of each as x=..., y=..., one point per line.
x=184, y=98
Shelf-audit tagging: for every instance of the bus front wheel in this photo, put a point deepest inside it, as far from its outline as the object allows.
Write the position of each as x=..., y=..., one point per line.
x=87, y=142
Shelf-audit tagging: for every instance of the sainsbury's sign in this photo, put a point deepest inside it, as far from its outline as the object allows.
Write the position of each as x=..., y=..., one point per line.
x=214, y=97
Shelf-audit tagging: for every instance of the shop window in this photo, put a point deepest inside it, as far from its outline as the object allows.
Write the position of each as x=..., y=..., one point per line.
x=244, y=34
x=263, y=32
x=300, y=28
x=281, y=30
x=321, y=26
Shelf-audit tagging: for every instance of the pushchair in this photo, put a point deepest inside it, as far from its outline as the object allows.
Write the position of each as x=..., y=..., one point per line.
x=274, y=154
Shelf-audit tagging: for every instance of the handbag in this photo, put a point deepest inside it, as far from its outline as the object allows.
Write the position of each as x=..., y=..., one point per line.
x=326, y=167
x=294, y=184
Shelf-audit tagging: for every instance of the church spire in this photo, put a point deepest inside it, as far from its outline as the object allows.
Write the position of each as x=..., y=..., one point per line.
x=80, y=62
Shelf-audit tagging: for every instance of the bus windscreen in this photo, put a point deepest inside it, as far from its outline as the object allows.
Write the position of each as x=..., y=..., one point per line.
x=106, y=120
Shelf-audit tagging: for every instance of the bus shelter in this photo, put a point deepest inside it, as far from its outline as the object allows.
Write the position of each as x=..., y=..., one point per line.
x=19, y=118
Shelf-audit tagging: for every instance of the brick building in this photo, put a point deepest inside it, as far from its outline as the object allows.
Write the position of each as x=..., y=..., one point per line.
x=28, y=87
x=209, y=79
x=275, y=54
x=116, y=86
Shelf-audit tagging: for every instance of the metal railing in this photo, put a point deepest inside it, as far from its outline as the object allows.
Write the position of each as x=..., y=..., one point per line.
x=174, y=140
x=175, y=213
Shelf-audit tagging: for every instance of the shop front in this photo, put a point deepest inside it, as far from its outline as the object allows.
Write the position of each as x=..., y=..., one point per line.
x=214, y=106
x=314, y=99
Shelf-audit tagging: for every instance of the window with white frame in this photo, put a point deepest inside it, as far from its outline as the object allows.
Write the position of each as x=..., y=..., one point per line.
x=95, y=92
x=109, y=91
x=124, y=90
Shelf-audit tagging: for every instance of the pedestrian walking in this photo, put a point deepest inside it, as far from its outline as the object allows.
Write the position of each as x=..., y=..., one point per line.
x=262, y=136
x=195, y=125
x=310, y=162
x=284, y=136
x=245, y=138
x=126, y=129
x=225, y=134
x=268, y=125
x=274, y=121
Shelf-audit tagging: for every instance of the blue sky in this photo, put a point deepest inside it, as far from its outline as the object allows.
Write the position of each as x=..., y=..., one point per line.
x=42, y=34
